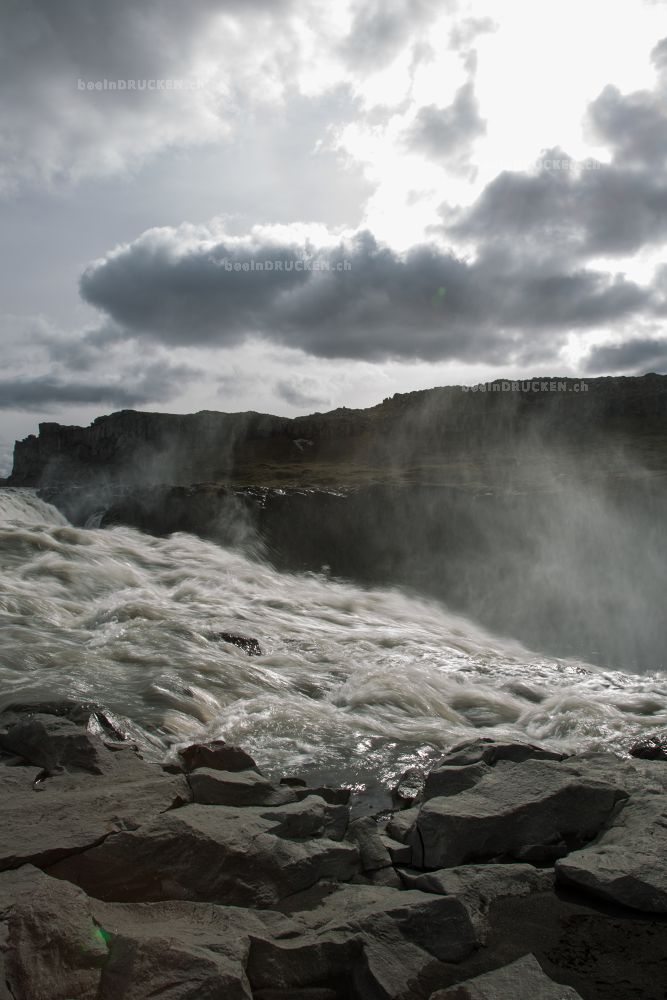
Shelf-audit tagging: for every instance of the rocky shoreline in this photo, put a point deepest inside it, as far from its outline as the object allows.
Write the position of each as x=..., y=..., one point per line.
x=512, y=873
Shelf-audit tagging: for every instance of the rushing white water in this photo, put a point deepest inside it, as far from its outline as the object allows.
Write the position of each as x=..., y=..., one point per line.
x=353, y=683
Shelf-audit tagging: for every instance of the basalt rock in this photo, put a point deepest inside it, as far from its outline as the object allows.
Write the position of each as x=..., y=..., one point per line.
x=650, y=747
x=78, y=793
x=216, y=755
x=479, y=886
x=534, y=810
x=237, y=788
x=627, y=863
x=248, y=645
x=249, y=857
x=522, y=980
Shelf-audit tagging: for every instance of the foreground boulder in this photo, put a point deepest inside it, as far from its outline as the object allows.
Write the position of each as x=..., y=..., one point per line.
x=250, y=856
x=479, y=886
x=627, y=863
x=385, y=937
x=52, y=946
x=536, y=810
x=522, y=980
x=50, y=817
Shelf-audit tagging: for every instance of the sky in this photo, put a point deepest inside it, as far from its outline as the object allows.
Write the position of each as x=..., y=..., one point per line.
x=292, y=206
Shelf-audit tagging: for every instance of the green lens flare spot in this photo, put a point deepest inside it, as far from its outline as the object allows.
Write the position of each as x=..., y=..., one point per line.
x=439, y=296
x=102, y=936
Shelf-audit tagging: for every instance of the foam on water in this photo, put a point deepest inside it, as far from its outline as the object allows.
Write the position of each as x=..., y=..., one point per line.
x=353, y=683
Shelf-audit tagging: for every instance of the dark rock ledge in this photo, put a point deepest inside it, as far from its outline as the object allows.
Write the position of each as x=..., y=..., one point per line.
x=515, y=874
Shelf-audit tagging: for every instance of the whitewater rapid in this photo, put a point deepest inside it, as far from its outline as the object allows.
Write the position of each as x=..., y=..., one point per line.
x=353, y=684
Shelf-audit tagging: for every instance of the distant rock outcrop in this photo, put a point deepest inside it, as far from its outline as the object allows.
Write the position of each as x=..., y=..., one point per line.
x=445, y=435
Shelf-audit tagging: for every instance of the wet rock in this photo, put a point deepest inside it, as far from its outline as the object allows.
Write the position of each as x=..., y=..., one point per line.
x=522, y=980
x=246, y=857
x=489, y=751
x=627, y=863
x=650, y=747
x=45, y=819
x=336, y=796
x=248, y=645
x=478, y=886
x=53, y=743
x=216, y=755
x=535, y=804
x=237, y=788
x=409, y=787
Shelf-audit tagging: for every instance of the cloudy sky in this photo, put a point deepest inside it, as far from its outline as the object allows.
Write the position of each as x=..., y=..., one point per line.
x=292, y=206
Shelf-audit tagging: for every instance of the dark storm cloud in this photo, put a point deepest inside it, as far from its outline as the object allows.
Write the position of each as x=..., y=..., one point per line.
x=160, y=381
x=635, y=357
x=443, y=133
x=300, y=392
x=634, y=125
x=569, y=210
x=372, y=303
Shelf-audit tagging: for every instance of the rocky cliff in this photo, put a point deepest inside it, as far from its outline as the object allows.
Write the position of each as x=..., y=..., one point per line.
x=453, y=435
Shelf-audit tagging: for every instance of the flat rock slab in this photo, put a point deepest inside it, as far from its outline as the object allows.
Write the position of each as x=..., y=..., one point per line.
x=532, y=810
x=522, y=980
x=627, y=863
x=489, y=751
x=237, y=788
x=246, y=857
x=479, y=886
x=45, y=820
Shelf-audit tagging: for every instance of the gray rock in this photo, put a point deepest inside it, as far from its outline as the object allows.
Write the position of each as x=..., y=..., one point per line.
x=52, y=945
x=400, y=854
x=478, y=886
x=216, y=755
x=450, y=779
x=224, y=854
x=308, y=818
x=365, y=834
x=522, y=980
x=536, y=804
x=53, y=743
x=652, y=747
x=409, y=787
x=401, y=824
x=45, y=820
x=627, y=863
x=237, y=788
x=336, y=796
x=489, y=751
x=383, y=936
